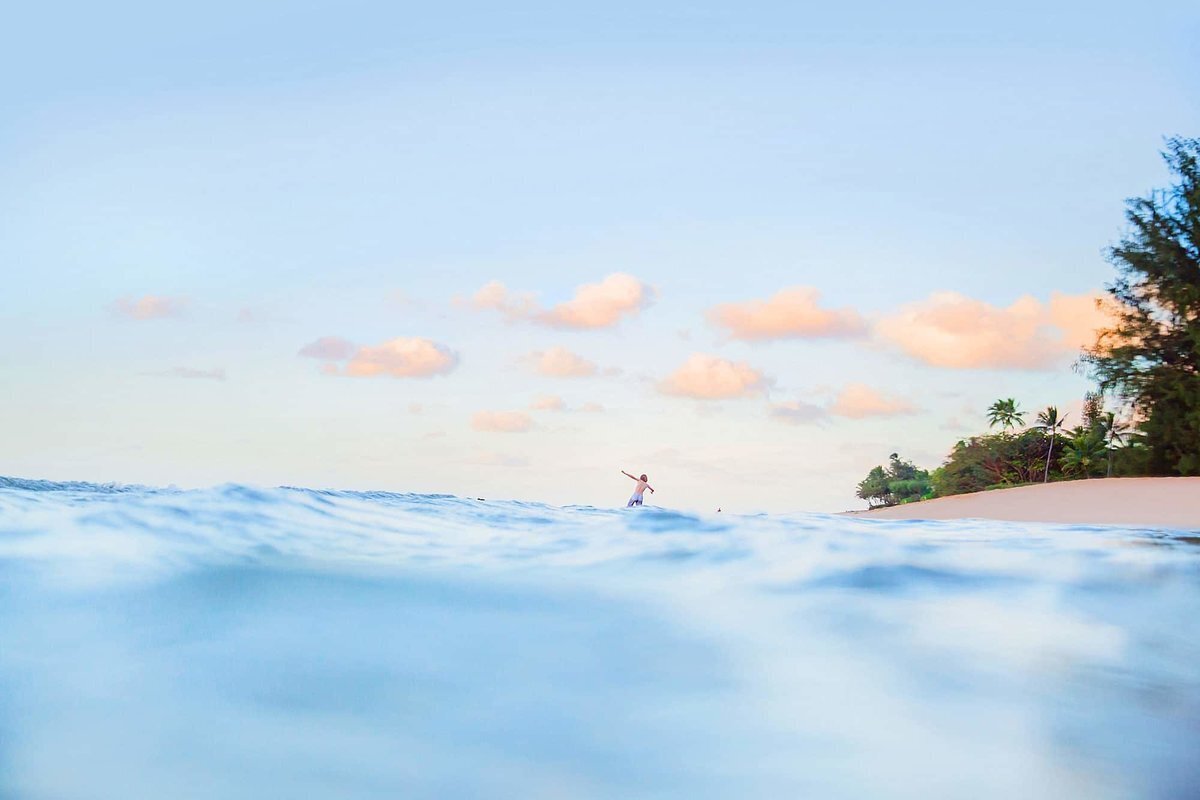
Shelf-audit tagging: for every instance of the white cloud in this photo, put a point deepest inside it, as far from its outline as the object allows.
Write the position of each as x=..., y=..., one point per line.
x=502, y=421
x=548, y=402
x=793, y=313
x=707, y=377
x=495, y=296
x=149, y=307
x=559, y=362
x=403, y=357
x=797, y=412
x=328, y=348
x=958, y=332
x=595, y=305
x=858, y=401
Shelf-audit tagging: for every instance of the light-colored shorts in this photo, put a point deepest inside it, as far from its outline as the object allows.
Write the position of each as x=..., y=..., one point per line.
x=636, y=500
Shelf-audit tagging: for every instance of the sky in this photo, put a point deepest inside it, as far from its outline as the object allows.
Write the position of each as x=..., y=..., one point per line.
x=507, y=251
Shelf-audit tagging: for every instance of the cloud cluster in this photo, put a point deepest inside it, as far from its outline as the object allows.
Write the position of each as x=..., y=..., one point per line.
x=854, y=401
x=149, y=307
x=495, y=296
x=957, y=332
x=403, y=357
x=594, y=306
x=551, y=402
x=548, y=402
x=797, y=412
x=328, y=348
x=707, y=377
x=793, y=313
x=559, y=362
x=502, y=421
x=859, y=401
x=947, y=329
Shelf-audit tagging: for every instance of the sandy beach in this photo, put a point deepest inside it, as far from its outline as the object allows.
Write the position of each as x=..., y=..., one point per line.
x=1153, y=502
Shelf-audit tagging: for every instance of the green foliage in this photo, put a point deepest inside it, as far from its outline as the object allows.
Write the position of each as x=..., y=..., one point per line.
x=874, y=488
x=993, y=460
x=1150, y=357
x=1086, y=454
x=1042, y=454
x=1130, y=460
x=1005, y=414
x=1116, y=433
x=900, y=482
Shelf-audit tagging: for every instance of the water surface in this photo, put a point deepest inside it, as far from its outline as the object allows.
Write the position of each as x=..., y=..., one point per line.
x=248, y=643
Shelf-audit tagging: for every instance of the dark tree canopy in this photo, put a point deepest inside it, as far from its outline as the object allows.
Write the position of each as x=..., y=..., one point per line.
x=1150, y=357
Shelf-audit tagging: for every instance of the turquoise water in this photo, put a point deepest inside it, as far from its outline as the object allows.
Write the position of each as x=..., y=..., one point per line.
x=248, y=643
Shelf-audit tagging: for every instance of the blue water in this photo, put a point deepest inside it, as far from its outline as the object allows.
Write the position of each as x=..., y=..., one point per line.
x=289, y=643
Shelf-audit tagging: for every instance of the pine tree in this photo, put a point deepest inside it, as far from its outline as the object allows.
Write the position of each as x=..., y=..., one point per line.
x=1150, y=357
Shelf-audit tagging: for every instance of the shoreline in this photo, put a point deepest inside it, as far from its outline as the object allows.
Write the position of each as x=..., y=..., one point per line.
x=1139, y=502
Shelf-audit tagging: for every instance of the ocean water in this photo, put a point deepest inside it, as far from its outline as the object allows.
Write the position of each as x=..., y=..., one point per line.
x=289, y=643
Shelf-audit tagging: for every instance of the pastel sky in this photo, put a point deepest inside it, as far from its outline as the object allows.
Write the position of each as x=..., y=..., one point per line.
x=506, y=250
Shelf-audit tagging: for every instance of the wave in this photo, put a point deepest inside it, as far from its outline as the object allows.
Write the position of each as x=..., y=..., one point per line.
x=241, y=641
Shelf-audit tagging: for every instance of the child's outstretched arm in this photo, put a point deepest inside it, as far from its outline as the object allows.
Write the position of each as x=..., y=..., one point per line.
x=627, y=475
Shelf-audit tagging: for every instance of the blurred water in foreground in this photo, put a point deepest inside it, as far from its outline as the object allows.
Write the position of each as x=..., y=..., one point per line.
x=288, y=643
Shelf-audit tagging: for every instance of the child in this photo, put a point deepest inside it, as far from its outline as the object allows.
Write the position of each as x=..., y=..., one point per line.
x=642, y=486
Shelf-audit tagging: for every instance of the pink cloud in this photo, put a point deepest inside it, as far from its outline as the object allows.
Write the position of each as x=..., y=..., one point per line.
x=149, y=307
x=502, y=421
x=404, y=357
x=595, y=305
x=328, y=348
x=789, y=314
x=797, y=412
x=600, y=305
x=559, y=362
x=495, y=296
x=958, y=332
x=858, y=401
x=1079, y=317
x=708, y=377
x=548, y=402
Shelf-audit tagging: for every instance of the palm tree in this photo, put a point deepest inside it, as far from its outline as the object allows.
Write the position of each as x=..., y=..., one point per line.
x=1115, y=433
x=1050, y=422
x=1083, y=452
x=1005, y=414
